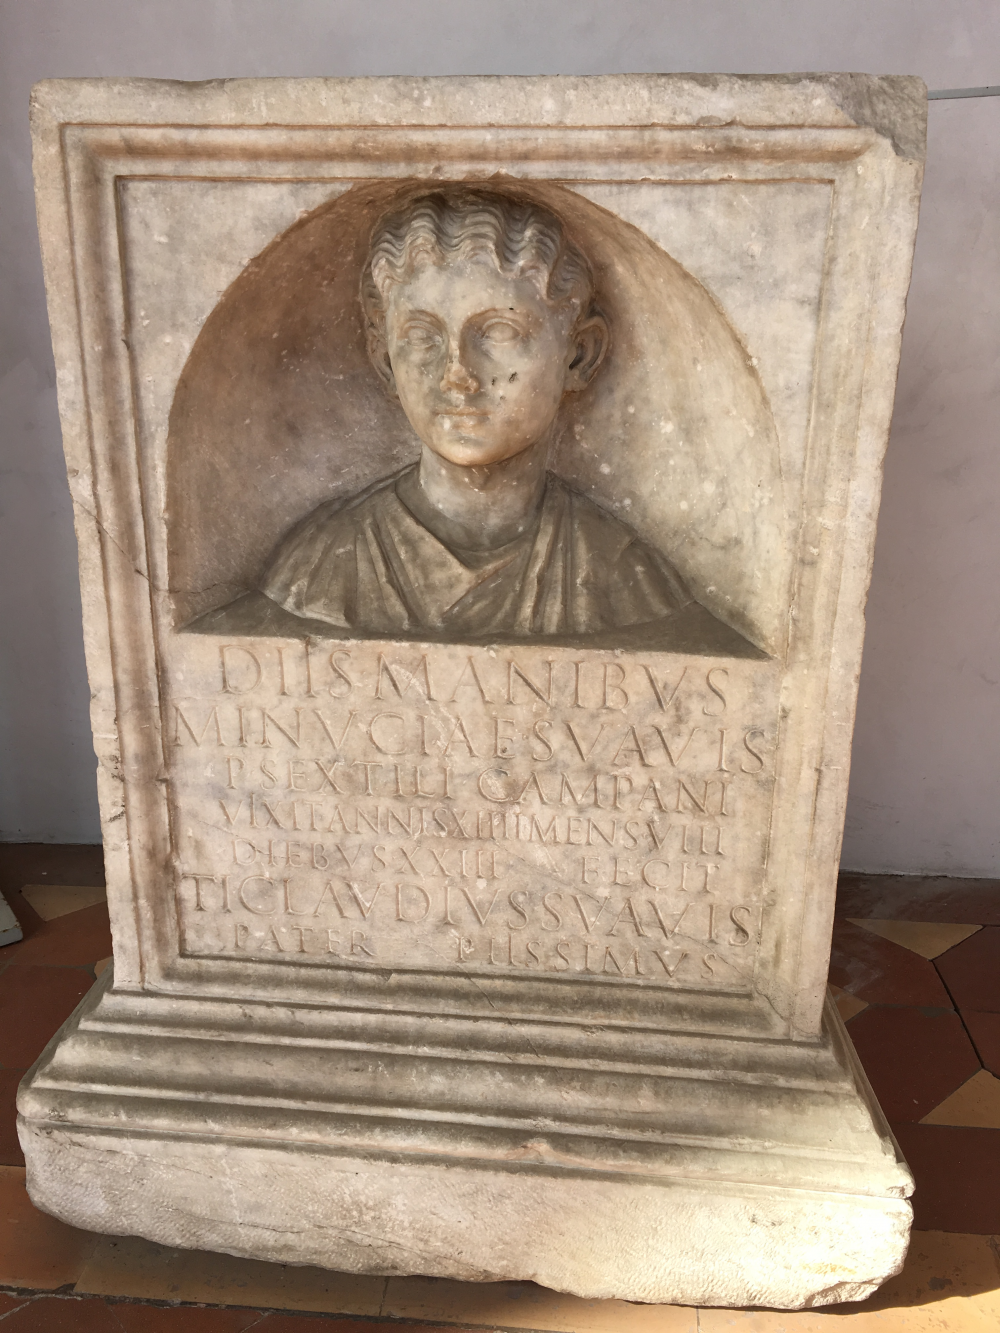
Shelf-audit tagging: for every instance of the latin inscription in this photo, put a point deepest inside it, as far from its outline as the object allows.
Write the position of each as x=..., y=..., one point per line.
x=534, y=812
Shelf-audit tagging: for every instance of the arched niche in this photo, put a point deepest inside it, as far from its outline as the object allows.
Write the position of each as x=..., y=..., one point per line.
x=278, y=409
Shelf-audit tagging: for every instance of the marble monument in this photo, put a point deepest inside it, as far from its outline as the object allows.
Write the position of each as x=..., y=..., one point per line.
x=475, y=485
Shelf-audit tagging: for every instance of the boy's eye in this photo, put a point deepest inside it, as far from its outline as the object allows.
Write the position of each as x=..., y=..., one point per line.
x=421, y=335
x=501, y=331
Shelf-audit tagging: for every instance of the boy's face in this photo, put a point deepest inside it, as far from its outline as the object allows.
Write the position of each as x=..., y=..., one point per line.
x=480, y=360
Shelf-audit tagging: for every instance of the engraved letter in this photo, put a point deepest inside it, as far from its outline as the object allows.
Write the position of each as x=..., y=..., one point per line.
x=513, y=669
x=666, y=966
x=646, y=874
x=576, y=741
x=553, y=893
x=384, y=748
x=501, y=743
x=199, y=906
x=412, y=888
x=257, y=879
x=672, y=931
x=517, y=898
x=497, y=794
x=469, y=669
x=212, y=717
x=755, y=731
x=459, y=734
x=386, y=669
x=338, y=670
x=736, y=940
x=614, y=686
x=329, y=890
x=716, y=671
x=481, y=917
x=634, y=748
x=227, y=683
x=542, y=740
x=591, y=926
x=636, y=924
x=675, y=758
x=660, y=689
x=365, y=908
x=326, y=727
x=267, y=717
x=633, y=958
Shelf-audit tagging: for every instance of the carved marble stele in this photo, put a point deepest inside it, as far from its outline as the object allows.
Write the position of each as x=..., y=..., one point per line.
x=475, y=484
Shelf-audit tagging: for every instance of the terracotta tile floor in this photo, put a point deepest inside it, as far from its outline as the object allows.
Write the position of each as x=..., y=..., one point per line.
x=916, y=973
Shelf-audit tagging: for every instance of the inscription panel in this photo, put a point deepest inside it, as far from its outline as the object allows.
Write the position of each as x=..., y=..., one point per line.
x=532, y=811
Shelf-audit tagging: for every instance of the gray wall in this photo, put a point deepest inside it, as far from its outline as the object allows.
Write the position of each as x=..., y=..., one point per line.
x=926, y=777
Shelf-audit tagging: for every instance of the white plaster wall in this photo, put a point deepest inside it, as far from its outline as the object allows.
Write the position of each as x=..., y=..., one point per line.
x=926, y=778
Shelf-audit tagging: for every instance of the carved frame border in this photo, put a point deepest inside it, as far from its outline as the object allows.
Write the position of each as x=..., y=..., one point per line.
x=90, y=135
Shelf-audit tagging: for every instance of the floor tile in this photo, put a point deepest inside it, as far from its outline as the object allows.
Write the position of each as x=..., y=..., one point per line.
x=976, y=1102
x=950, y=1275
x=984, y=1029
x=10, y=927
x=914, y=1058
x=919, y=898
x=62, y=1314
x=55, y=863
x=957, y=1173
x=927, y=938
x=35, y=1001
x=10, y=1149
x=9, y=1302
x=513, y=1305
x=69, y=941
x=881, y=972
x=36, y=1250
x=950, y=1283
x=136, y=1318
x=848, y=1006
x=770, y=1321
x=131, y=1266
x=283, y=1323
x=972, y=971
x=54, y=900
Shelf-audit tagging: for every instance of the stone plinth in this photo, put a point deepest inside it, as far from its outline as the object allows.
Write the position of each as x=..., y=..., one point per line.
x=476, y=484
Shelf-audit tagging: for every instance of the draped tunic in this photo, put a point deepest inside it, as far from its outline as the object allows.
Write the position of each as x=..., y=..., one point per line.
x=370, y=564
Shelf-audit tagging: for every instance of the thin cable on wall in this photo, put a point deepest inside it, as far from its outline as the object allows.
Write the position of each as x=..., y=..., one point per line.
x=945, y=94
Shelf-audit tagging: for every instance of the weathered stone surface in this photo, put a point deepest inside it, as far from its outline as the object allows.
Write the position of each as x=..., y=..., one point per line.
x=475, y=522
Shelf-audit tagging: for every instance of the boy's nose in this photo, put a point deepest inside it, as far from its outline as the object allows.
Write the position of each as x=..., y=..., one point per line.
x=457, y=375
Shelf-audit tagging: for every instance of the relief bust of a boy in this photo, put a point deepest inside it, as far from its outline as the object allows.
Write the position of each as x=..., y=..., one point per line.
x=480, y=318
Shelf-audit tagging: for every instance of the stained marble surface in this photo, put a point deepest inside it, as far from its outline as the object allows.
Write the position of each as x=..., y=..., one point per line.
x=362, y=1050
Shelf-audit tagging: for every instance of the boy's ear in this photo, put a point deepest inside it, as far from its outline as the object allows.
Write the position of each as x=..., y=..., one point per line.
x=378, y=351
x=591, y=339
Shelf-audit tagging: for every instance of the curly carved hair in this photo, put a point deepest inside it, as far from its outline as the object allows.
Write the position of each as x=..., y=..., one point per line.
x=520, y=238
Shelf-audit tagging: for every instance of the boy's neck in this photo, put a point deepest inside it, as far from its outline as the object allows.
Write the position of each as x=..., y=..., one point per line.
x=477, y=508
